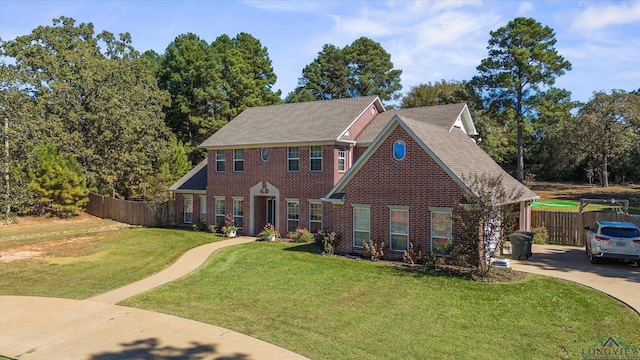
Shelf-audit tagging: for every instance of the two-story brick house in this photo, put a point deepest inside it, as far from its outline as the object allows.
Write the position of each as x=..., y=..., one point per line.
x=345, y=165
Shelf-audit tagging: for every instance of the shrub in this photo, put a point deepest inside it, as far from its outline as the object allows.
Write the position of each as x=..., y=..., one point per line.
x=328, y=241
x=199, y=226
x=374, y=250
x=302, y=236
x=541, y=235
x=413, y=256
x=267, y=232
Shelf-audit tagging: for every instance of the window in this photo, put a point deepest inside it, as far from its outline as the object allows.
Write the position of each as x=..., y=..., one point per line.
x=399, y=229
x=264, y=154
x=361, y=225
x=342, y=159
x=238, y=213
x=220, y=211
x=399, y=150
x=315, y=158
x=441, y=227
x=238, y=160
x=188, y=209
x=293, y=157
x=220, y=157
x=315, y=217
x=203, y=208
x=293, y=215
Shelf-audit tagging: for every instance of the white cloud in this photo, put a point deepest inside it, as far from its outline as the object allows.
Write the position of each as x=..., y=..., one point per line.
x=525, y=8
x=600, y=16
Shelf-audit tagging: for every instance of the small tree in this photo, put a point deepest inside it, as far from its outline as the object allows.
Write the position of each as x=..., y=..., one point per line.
x=489, y=212
x=57, y=183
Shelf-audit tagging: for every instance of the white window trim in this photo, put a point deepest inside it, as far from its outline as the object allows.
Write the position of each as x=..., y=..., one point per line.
x=203, y=202
x=292, y=158
x=391, y=233
x=235, y=151
x=184, y=209
x=215, y=210
x=344, y=151
x=353, y=224
x=393, y=150
x=315, y=202
x=433, y=210
x=223, y=160
x=233, y=212
x=293, y=201
x=311, y=158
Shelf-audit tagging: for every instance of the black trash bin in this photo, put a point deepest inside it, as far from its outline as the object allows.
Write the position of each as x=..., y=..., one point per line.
x=521, y=245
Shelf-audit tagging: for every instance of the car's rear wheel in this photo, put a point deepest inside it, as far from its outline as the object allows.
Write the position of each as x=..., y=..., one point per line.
x=593, y=259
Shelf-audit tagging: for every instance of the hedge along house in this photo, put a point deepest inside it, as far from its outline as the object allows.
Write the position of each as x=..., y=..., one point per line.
x=345, y=165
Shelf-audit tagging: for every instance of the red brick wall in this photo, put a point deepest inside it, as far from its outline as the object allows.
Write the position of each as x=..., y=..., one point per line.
x=417, y=181
x=302, y=185
x=362, y=121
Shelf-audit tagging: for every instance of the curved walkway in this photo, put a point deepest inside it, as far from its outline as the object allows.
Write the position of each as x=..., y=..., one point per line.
x=619, y=280
x=49, y=328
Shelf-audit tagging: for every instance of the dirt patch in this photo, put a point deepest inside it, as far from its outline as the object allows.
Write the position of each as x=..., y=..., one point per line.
x=76, y=246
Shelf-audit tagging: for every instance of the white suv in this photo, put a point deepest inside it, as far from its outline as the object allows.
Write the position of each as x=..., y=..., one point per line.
x=613, y=240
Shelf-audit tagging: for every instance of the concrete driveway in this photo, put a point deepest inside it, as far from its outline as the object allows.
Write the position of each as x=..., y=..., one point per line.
x=620, y=280
x=97, y=329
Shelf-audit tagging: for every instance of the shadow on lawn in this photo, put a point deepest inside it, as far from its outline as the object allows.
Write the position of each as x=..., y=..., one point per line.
x=151, y=349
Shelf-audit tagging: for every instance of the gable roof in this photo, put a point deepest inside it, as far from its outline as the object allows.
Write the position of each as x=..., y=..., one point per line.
x=454, y=151
x=445, y=116
x=193, y=181
x=314, y=121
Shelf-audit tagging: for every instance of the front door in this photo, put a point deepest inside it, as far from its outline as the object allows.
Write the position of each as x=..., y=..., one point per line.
x=271, y=211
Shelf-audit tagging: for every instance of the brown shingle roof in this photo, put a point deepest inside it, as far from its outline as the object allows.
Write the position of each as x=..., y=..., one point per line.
x=462, y=155
x=288, y=123
x=456, y=152
x=440, y=115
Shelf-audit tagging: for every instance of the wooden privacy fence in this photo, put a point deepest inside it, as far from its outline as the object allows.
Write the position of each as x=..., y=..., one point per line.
x=568, y=228
x=143, y=213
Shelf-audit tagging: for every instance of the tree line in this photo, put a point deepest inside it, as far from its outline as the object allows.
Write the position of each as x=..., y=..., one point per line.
x=87, y=111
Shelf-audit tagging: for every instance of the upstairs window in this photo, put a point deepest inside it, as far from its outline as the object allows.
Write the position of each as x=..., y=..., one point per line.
x=293, y=158
x=399, y=150
x=315, y=158
x=264, y=154
x=220, y=159
x=238, y=160
x=342, y=159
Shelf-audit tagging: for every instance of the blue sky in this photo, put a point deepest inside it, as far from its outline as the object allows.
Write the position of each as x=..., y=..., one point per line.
x=428, y=40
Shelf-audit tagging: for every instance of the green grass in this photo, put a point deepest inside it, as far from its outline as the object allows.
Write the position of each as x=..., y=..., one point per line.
x=82, y=269
x=564, y=196
x=336, y=308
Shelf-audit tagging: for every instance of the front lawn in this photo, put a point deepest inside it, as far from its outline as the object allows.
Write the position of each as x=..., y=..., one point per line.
x=80, y=264
x=337, y=308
